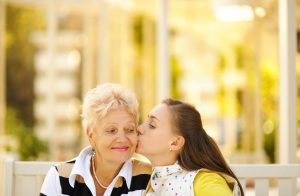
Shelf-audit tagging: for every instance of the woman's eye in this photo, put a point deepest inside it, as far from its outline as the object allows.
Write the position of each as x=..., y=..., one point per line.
x=151, y=126
x=131, y=130
x=112, y=131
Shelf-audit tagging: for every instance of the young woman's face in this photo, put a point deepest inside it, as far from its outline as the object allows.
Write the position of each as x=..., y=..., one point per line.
x=115, y=136
x=156, y=133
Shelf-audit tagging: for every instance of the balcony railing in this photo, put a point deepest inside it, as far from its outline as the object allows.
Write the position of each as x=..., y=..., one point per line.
x=26, y=178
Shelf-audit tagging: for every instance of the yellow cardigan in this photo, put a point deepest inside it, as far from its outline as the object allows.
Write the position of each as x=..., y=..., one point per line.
x=210, y=184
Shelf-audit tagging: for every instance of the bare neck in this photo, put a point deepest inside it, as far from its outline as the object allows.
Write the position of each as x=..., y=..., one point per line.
x=106, y=171
x=162, y=160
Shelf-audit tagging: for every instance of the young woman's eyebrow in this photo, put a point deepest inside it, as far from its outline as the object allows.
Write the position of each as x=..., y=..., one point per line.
x=152, y=117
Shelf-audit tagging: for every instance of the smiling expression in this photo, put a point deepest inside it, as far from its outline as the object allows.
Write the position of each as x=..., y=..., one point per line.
x=115, y=137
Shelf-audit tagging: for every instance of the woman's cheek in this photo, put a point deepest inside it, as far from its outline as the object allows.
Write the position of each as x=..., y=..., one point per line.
x=134, y=139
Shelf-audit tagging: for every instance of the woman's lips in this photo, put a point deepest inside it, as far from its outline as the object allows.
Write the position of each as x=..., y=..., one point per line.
x=120, y=148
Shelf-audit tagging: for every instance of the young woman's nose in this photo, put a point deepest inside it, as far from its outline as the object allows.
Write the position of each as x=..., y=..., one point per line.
x=140, y=129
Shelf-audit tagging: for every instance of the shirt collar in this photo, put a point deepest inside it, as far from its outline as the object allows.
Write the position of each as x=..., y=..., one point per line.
x=163, y=171
x=126, y=172
x=82, y=168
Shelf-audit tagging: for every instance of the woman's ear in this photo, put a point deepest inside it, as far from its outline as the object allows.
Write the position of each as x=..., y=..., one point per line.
x=177, y=143
x=89, y=133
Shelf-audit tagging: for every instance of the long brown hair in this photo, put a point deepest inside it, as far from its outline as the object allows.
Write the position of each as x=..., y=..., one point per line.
x=200, y=150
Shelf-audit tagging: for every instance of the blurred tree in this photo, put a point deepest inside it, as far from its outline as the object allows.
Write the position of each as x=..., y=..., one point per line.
x=28, y=146
x=175, y=77
x=269, y=93
x=268, y=105
x=20, y=23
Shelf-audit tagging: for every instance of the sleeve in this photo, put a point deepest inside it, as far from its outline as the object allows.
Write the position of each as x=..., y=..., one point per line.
x=51, y=185
x=211, y=184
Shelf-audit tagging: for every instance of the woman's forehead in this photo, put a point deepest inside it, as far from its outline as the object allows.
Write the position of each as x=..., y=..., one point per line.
x=159, y=112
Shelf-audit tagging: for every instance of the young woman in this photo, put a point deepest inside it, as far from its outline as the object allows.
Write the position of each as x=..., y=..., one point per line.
x=185, y=160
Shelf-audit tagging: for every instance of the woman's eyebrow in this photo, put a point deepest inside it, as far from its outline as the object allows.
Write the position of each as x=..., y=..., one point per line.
x=115, y=123
x=152, y=117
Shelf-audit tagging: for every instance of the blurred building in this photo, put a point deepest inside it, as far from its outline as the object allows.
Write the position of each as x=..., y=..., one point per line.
x=57, y=96
x=221, y=58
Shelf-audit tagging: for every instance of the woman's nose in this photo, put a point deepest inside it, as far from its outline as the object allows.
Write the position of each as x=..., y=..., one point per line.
x=140, y=129
x=122, y=136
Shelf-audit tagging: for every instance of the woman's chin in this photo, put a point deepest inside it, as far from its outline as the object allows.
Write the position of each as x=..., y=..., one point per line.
x=122, y=156
x=120, y=160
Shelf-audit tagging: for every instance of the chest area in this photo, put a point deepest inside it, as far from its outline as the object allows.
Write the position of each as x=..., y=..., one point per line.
x=180, y=183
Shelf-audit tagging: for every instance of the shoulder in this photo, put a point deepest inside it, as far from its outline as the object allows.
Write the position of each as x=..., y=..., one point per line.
x=141, y=172
x=207, y=177
x=64, y=169
x=210, y=183
x=140, y=167
x=51, y=184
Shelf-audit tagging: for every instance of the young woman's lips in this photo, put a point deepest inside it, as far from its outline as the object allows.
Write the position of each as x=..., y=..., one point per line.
x=120, y=148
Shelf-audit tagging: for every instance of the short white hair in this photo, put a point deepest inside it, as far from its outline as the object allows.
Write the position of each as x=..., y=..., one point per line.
x=100, y=100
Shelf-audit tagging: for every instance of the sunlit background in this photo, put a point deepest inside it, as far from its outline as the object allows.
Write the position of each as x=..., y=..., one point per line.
x=222, y=56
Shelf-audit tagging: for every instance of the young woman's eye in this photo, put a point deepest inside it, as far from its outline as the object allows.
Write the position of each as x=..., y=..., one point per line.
x=151, y=126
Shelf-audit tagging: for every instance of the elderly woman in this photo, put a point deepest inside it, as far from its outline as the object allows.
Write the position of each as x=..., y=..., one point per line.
x=109, y=116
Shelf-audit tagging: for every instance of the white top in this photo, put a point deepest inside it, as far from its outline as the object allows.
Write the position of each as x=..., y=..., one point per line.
x=176, y=181
x=172, y=180
x=52, y=187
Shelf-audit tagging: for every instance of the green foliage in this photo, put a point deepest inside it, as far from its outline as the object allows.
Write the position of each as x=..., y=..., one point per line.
x=175, y=76
x=239, y=56
x=28, y=145
x=269, y=143
x=269, y=94
x=21, y=22
x=137, y=27
x=221, y=92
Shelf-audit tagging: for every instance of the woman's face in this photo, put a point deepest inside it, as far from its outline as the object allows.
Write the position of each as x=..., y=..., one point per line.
x=114, y=137
x=155, y=134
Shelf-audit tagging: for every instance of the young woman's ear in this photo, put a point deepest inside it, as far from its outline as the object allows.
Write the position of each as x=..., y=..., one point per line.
x=177, y=143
